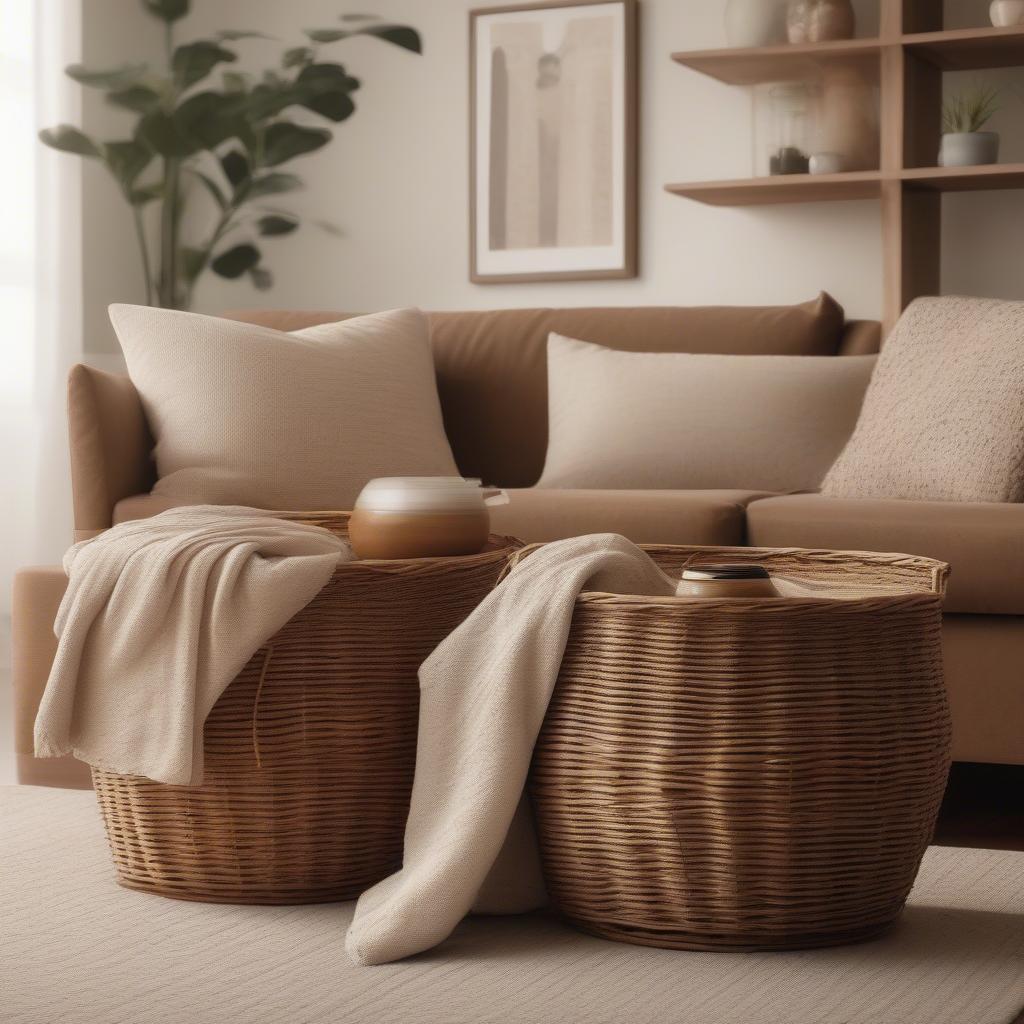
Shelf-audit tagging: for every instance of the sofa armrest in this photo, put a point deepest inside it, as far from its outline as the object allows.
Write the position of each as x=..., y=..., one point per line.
x=37, y=596
x=110, y=443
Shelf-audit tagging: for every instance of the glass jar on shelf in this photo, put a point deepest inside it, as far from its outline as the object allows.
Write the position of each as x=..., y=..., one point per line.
x=784, y=127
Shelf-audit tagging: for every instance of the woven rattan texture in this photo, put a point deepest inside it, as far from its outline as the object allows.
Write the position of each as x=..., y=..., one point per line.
x=309, y=753
x=748, y=774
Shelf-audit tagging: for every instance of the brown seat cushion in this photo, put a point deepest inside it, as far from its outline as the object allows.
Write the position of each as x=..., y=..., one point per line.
x=984, y=543
x=645, y=517
x=492, y=364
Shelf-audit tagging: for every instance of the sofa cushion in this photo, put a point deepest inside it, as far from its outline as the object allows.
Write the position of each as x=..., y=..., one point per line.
x=246, y=415
x=680, y=420
x=943, y=419
x=492, y=364
x=645, y=517
x=982, y=542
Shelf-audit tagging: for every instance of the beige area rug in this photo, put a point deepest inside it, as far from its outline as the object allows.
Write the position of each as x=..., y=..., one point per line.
x=77, y=949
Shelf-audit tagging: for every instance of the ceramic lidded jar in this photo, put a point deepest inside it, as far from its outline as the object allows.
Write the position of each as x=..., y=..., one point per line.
x=1006, y=13
x=422, y=517
x=726, y=581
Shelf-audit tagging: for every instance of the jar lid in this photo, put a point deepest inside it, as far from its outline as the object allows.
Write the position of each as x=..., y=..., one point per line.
x=421, y=494
x=726, y=572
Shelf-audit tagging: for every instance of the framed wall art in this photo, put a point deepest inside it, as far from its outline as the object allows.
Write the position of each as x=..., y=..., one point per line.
x=553, y=141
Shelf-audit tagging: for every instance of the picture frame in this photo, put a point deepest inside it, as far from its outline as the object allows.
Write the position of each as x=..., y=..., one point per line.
x=553, y=141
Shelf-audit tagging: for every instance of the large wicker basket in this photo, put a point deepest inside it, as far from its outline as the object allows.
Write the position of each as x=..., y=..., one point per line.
x=748, y=774
x=309, y=753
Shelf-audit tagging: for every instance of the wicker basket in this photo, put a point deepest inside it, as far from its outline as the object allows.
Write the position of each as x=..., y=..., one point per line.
x=309, y=753
x=749, y=774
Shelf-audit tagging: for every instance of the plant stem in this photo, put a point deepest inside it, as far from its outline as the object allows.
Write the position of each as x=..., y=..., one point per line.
x=140, y=234
x=169, y=234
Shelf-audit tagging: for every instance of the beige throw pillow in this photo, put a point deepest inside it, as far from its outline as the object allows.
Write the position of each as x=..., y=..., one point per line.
x=681, y=421
x=253, y=416
x=943, y=419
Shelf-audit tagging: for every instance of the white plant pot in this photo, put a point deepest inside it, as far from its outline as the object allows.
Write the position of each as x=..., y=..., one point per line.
x=967, y=149
x=755, y=22
x=1005, y=13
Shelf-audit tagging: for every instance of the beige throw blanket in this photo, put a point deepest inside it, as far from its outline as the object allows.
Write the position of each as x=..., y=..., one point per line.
x=159, y=616
x=483, y=694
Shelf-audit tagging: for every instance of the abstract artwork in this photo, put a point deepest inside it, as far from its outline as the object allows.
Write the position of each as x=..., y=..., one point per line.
x=553, y=141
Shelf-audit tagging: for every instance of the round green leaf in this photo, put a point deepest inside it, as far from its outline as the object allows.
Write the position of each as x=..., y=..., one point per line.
x=194, y=61
x=139, y=98
x=235, y=166
x=127, y=160
x=274, y=184
x=277, y=224
x=236, y=261
x=283, y=141
x=113, y=78
x=70, y=140
x=167, y=10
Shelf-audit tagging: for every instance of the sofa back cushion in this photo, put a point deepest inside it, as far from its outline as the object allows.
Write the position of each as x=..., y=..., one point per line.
x=492, y=364
x=246, y=415
x=943, y=419
x=641, y=420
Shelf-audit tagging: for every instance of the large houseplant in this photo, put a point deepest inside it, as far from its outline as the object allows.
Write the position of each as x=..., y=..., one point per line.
x=233, y=139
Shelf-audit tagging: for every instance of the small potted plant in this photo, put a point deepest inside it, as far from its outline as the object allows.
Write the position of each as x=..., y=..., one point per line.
x=964, y=144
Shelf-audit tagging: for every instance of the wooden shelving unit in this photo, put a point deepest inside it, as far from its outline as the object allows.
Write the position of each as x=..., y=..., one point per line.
x=910, y=54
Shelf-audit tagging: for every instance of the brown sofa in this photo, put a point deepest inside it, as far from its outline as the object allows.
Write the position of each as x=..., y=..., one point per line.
x=492, y=382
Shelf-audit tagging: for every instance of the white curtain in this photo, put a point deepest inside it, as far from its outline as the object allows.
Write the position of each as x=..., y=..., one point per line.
x=40, y=280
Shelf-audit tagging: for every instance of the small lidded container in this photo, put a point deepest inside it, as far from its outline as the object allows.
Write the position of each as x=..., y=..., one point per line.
x=726, y=581
x=422, y=517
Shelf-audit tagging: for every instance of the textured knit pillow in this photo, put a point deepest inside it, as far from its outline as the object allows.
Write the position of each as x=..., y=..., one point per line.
x=253, y=416
x=943, y=419
x=673, y=420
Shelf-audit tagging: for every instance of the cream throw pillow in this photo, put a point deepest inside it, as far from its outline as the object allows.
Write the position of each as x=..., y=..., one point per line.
x=681, y=421
x=252, y=416
x=943, y=419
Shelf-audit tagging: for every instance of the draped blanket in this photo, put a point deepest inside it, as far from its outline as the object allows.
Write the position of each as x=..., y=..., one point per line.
x=469, y=841
x=159, y=616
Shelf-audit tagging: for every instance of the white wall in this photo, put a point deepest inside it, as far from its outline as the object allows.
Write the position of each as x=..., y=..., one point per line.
x=395, y=180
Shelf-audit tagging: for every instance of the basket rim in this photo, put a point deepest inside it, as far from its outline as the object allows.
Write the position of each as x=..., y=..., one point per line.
x=935, y=570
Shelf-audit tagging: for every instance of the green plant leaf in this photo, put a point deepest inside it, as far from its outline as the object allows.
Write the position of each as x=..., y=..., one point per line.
x=296, y=57
x=167, y=10
x=113, y=78
x=194, y=61
x=127, y=160
x=284, y=140
x=209, y=118
x=268, y=99
x=261, y=278
x=235, y=81
x=277, y=224
x=231, y=35
x=161, y=132
x=274, y=184
x=327, y=35
x=191, y=262
x=400, y=35
x=139, y=98
x=146, y=193
x=235, y=165
x=236, y=261
x=326, y=90
x=70, y=140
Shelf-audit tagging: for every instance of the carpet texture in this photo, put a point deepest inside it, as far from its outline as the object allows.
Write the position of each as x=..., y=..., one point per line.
x=77, y=949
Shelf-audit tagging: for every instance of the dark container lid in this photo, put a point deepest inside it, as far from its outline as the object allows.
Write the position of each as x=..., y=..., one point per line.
x=726, y=572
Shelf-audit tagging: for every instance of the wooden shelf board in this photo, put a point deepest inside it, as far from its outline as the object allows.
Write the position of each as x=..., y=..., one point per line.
x=965, y=179
x=783, y=188
x=778, y=63
x=969, y=49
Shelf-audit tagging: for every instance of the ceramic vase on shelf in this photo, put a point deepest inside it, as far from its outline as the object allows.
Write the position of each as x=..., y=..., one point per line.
x=755, y=22
x=1006, y=13
x=818, y=21
x=968, y=149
